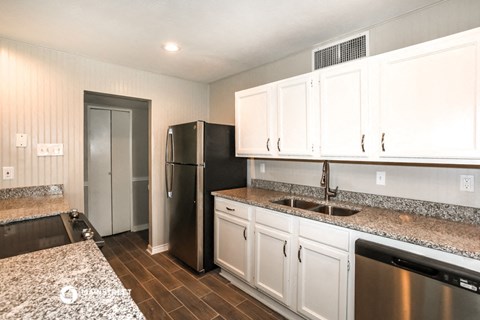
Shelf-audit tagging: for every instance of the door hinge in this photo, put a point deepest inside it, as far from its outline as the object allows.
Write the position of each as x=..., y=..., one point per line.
x=348, y=265
x=311, y=83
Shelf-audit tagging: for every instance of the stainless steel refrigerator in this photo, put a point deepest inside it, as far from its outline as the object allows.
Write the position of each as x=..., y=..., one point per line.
x=199, y=158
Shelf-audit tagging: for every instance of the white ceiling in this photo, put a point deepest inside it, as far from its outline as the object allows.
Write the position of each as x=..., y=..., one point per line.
x=218, y=37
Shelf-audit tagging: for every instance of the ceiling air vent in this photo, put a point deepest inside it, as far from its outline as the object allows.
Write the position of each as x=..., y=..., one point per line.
x=344, y=50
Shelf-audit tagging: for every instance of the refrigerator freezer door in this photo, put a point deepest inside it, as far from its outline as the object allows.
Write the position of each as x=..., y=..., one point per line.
x=185, y=143
x=186, y=215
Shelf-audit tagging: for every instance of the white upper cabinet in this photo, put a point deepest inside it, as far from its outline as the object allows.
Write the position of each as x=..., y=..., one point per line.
x=277, y=119
x=428, y=98
x=253, y=121
x=417, y=104
x=295, y=116
x=344, y=110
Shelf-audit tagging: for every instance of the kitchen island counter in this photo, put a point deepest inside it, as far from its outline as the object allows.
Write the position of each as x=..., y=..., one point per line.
x=448, y=236
x=31, y=285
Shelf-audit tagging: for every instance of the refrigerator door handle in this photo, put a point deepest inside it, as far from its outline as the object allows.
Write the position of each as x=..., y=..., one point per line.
x=169, y=146
x=169, y=182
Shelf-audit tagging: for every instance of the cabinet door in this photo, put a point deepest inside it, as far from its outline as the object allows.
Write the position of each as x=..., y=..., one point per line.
x=343, y=110
x=322, y=281
x=233, y=249
x=253, y=122
x=295, y=116
x=429, y=101
x=272, y=263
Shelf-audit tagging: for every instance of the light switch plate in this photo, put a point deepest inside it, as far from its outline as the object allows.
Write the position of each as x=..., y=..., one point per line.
x=8, y=173
x=55, y=149
x=21, y=140
x=42, y=150
x=381, y=176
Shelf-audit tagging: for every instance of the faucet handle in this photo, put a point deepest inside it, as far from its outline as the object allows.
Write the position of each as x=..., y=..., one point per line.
x=335, y=191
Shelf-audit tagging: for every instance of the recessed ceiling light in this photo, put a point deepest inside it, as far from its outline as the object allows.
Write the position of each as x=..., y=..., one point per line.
x=171, y=47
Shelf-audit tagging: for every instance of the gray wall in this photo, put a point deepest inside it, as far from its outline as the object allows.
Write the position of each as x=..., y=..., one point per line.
x=140, y=109
x=420, y=182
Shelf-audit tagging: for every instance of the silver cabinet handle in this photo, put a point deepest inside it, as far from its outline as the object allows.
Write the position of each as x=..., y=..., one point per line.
x=299, y=254
x=278, y=144
x=285, y=248
x=363, y=142
x=383, y=141
x=230, y=209
x=245, y=233
x=268, y=144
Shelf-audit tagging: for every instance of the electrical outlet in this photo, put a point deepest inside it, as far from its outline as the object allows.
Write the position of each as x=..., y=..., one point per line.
x=381, y=176
x=8, y=173
x=467, y=183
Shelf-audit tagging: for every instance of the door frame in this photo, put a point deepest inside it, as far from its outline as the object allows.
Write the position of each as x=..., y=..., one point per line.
x=130, y=171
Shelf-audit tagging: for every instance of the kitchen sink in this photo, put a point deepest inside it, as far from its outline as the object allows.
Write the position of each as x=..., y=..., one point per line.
x=315, y=207
x=334, y=211
x=295, y=203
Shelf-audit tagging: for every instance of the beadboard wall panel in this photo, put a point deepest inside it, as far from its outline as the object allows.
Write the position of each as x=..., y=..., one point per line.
x=42, y=95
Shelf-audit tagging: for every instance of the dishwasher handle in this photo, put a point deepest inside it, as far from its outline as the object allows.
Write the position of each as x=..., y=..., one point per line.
x=415, y=267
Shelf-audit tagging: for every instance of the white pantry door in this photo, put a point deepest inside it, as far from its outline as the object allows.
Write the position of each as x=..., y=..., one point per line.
x=109, y=170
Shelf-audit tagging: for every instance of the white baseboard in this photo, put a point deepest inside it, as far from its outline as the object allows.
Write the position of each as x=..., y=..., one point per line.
x=157, y=249
x=269, y=302
x=139, y=227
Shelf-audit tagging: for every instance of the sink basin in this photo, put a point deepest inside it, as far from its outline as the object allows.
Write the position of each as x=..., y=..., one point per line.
x=315, y=207
x=334, y=211
x=295, y=203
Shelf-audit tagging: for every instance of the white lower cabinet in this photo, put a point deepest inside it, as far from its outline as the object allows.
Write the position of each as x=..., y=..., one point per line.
x=272, y=255
x=300, y=263
x=233, y=244
x=322, y=281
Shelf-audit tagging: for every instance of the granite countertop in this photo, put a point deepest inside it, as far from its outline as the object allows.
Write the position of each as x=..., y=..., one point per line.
x=17, y=209
x=30, y=285
x=453, y=237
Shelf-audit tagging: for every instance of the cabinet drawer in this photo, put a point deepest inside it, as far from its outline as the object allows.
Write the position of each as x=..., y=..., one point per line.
x=233, y=208
x=326, y=234
x=274, y=219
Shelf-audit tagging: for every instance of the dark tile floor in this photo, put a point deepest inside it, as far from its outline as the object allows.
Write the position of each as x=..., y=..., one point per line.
x=164, y=289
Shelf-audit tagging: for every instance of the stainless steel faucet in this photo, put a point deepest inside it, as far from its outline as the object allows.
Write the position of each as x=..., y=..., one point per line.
x=325, y=182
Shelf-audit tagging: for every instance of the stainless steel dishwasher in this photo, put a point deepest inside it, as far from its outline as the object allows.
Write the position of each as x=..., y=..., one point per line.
x=393, y=284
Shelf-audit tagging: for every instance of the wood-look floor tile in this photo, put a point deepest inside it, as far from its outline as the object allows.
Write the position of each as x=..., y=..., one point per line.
x=225, y=309
x=255, y=312
x=122, y=254
x=138, y=293
x=198, y=288
x=108, y=253
x=169, y=281
x=182, y=314
x=162, y=295
x=138, y=270
x=194, y=304
x=223, y=290
x=152, y=310
x=127, y=244
x=143, y=258
x=219, y=317
x=254, y=301
x=118, y=267
x=166, y=263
